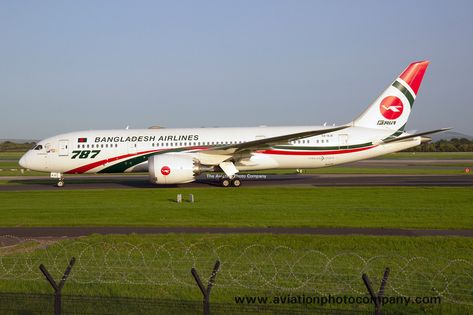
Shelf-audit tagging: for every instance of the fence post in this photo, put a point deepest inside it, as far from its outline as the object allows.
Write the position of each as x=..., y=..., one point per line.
x=57, y=287
x=206, y=290
x=377, y=299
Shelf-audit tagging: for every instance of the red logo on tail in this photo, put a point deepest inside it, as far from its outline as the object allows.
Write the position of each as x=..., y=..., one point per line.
x=391, y=107
x=165, y=170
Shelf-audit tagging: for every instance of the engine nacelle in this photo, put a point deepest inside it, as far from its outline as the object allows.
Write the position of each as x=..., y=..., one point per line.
x=173, y=169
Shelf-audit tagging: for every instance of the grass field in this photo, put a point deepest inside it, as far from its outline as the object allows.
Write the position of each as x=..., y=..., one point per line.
x=393, y=207
x=159, y=266
x=428, y=155
x=10, y=155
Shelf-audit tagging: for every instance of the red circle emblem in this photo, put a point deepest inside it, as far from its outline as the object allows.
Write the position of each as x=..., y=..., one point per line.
x=391, y=107
x=165, y=170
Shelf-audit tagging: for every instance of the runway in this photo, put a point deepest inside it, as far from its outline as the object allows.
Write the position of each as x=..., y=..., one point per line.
x=55, y=232
x=22, y=183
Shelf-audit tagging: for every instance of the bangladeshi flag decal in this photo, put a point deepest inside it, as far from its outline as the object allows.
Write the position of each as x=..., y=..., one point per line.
x=82, y=140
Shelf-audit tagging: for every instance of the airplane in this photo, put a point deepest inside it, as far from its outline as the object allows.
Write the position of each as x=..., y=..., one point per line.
x=177, y=156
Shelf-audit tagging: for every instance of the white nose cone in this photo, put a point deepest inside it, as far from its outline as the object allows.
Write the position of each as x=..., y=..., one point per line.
x=23, y=161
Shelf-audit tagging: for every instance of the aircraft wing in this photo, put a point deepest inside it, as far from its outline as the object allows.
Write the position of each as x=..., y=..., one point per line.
x=416, y=135
x=265, y=143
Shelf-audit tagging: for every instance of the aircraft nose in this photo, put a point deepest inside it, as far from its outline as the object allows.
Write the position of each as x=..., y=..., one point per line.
x=24, y=161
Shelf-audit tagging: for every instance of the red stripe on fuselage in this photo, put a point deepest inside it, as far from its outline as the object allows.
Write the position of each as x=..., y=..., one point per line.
x=282, y=152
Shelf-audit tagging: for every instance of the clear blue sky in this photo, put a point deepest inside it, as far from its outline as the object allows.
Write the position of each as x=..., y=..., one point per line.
x=73, y=65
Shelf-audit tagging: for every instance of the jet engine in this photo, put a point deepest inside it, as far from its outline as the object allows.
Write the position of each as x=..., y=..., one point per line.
x=172, y=168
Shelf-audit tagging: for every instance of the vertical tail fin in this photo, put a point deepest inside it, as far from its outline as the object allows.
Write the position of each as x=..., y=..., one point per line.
x=391, y=109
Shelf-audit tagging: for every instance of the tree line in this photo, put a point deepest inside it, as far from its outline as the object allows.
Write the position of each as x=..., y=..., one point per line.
x=12, y=146
x=452, y=145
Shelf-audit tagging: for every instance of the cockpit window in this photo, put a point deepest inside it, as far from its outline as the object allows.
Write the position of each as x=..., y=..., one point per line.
x=38, y=147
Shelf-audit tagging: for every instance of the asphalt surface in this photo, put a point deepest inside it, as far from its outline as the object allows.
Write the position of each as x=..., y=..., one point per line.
x=55, y=232
x=22, y=183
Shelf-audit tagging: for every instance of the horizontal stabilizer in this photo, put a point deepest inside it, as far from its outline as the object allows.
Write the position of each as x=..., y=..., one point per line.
x=417, y=135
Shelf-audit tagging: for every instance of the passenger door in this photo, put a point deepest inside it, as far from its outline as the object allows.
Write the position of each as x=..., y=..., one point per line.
x=63, y=147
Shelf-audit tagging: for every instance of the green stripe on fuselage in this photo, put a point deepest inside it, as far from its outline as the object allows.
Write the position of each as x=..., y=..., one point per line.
x=122, y=166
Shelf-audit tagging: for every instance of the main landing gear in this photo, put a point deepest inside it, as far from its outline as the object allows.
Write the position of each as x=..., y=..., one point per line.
x=60, y=182
x=227, y=182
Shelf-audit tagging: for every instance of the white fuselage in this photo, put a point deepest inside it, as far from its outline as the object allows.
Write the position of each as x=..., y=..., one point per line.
x=114, y=151
x=173, y=156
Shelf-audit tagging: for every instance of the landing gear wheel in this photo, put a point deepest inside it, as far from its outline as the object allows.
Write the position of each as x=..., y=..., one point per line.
x=60, y=183
x=225, y=182
x=236, y=182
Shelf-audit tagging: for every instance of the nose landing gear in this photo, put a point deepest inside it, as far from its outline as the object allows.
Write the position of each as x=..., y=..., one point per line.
x=60, y=178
